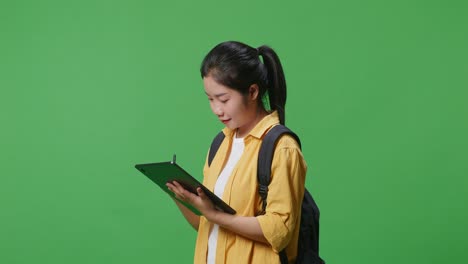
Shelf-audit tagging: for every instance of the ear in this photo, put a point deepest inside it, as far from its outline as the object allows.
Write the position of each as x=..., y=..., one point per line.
x=254, y=91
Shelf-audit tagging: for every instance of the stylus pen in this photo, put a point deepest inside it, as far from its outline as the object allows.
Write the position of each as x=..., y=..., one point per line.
x=174, y=158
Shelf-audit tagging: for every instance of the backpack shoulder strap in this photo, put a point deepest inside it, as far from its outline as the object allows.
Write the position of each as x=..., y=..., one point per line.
x=265, y=158
x=215, y=146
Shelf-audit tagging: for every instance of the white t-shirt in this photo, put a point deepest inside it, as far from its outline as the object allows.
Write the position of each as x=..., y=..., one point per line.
x=236, y=152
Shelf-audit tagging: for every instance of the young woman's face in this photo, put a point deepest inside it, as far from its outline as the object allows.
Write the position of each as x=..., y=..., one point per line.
x=231, y=107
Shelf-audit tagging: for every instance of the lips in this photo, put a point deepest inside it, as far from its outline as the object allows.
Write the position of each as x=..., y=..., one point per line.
x=225, y=121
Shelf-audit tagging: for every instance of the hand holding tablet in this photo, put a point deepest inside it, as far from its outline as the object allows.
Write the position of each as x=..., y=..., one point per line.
x=164, y=172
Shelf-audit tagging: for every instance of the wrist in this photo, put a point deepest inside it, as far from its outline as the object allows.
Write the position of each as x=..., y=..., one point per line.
x=213, y=216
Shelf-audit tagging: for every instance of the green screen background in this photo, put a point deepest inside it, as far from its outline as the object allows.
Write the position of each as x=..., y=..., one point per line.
x=377, y=93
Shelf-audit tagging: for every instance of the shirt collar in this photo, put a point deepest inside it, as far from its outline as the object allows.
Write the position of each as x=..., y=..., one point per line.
x=261, y=128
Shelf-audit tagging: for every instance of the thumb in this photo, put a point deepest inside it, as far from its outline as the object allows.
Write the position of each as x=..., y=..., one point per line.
x=201, y=193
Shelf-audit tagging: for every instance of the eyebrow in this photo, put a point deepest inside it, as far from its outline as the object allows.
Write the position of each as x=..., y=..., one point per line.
x=217, y=95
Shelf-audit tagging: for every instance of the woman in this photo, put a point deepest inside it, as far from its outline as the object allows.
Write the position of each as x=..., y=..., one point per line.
x=246, y=89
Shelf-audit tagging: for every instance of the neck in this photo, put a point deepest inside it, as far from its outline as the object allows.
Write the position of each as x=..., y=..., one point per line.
x=260, y=114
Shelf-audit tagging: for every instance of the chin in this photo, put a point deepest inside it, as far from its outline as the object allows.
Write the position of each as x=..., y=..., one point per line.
x=232, y=127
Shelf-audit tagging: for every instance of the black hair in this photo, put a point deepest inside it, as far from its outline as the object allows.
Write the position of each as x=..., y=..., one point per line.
x=238, y=66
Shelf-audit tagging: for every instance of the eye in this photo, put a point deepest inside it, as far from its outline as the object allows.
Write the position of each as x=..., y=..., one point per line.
x=224, y=101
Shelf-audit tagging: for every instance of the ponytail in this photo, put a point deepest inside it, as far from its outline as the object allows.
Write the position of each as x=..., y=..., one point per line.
x=276, y=81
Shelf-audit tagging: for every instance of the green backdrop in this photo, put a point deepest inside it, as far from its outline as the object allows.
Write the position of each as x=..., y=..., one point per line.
x=377, y=92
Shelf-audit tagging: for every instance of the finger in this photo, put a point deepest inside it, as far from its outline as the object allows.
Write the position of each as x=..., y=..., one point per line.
x=180, y=195
x=178, y=186
x=173, y=189
x=177, y=193
x=184, y=191
x=189, y=196
x=170, y=186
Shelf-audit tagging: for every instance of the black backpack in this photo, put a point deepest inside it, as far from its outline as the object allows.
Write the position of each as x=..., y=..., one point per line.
x=308, y=246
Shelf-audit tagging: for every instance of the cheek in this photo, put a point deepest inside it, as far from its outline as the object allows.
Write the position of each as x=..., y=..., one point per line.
x=217, y=108
x=211, y=106
x=234, y=110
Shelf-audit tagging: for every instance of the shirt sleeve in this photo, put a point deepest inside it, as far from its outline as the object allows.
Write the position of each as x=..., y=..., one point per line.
x=285, y=193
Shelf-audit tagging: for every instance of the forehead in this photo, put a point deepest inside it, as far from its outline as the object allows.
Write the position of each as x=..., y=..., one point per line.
x=213, y=88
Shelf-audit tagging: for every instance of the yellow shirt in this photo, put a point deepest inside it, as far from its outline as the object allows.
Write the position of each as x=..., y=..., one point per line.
x=280, y=223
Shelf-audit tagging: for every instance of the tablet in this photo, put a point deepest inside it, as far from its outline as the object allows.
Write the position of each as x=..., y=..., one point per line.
x=163, y=172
